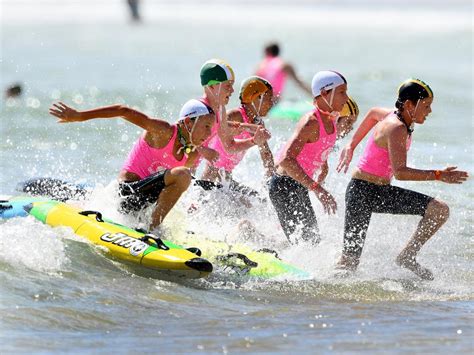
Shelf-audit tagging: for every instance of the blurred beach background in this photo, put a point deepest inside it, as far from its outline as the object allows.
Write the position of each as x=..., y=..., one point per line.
x=59, y=294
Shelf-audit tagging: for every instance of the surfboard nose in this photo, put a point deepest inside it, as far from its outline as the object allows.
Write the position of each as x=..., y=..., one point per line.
x=199, y=264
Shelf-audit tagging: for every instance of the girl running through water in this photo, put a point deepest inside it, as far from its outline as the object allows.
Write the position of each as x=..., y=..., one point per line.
x=305, y=153
x=385, y=156
x=344, y=124
x=217, y=79
x=158, y=168
x=256, y=97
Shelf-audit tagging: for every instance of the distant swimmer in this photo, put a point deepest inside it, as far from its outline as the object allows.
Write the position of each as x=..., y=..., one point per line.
x=385, y=156
x=304, y=155
x=158, y=168
x=14, y=90
x=134, y=5
x=256, y=99
x=276, y=71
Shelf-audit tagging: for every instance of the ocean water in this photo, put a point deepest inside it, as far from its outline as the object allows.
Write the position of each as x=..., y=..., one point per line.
x=60, y=294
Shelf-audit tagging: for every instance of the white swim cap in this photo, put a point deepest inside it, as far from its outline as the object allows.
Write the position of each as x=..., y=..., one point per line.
x=193, y=109
x=326, y=80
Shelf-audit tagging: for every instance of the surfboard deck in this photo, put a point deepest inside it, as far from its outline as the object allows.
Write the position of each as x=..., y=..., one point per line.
x=120, y=242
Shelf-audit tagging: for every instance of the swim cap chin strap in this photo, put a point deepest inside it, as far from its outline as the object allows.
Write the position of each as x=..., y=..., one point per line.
x=334, y=114
x=219, y=108
x=257, y=110
x=187, y=147
x=412, y=125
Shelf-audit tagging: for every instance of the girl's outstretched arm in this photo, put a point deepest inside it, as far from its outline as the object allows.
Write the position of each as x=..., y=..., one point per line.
x=398, y=157
x=67, y=114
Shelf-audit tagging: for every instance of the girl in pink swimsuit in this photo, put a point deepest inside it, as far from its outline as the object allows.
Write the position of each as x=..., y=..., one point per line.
x=158, y=169
x=305, y=153
x=256, y=100
x=158, y=166
x=384, y=157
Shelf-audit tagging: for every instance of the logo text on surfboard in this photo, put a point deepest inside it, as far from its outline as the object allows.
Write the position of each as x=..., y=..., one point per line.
x=136, y=246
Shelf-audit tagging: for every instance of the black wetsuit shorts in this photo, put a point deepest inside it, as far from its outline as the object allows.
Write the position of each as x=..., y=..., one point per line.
x=364, y=198
x=293, y=207
x=138, y=194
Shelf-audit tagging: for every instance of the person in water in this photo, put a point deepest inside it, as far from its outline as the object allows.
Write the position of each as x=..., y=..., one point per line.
x=276, y=71
x=385, y=156
x=305, y=153
x=217, y=79
x=344, y=124
x=256, y=98
x=158, y=168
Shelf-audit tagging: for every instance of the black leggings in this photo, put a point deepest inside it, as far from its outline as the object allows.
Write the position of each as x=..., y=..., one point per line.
x=137, y=194
x=293, y=207
x=364, y=198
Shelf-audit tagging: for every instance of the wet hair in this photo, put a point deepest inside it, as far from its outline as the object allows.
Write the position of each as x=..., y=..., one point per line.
x=272, y=49
x=412, y=90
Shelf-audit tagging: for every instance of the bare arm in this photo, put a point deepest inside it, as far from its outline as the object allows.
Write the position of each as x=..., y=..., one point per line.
x=232, y=145
x=398, y=156
x=323, y=173
x=304, y=131
x=207, y=153
x=267, y=159
x=375, y=115
x=193, y=161
x=289, y=163
x=290, y=71
x=67, y=114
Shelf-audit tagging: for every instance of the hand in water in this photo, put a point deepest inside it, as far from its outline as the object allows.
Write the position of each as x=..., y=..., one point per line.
x=64, y=113
x=261, y=136
x=327, y=200
x=345, y=159
x=452, y=176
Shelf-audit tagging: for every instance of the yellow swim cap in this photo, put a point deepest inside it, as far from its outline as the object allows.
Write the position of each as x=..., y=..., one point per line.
x=350, y=108
x=414, y=90
x=253, y=87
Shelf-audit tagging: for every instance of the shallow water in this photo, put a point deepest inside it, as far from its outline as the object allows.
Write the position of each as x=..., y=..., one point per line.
x=61, y=294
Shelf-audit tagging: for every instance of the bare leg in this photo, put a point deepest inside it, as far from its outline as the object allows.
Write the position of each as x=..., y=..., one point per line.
x=177, y=181
x=436, y=215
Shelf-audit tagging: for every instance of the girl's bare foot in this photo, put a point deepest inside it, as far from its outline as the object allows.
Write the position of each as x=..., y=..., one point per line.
x=411, y=264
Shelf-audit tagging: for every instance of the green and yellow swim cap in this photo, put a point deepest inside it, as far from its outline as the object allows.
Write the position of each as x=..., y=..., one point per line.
x=350, y=108
x=216, y=71
x=253, y=87
x=414, y=90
